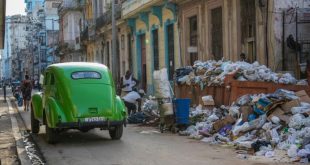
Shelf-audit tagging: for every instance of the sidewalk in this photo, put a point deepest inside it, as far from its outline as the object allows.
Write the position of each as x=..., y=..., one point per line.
x=8, y=150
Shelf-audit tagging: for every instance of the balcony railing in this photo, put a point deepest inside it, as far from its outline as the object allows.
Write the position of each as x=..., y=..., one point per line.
x=106, y=18
x=132, y=5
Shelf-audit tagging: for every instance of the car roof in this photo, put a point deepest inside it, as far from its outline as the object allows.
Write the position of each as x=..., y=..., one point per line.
x=69, y=66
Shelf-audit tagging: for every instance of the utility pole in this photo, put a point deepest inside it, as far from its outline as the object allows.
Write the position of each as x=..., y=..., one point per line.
x=114, y=58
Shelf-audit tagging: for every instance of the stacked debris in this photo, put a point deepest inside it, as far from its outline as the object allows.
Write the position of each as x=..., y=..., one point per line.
x=148, y=114
x=212, y=73
x=258, y=124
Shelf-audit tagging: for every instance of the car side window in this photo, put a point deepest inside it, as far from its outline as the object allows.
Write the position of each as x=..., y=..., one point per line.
x=52, y=79
x=46, y=78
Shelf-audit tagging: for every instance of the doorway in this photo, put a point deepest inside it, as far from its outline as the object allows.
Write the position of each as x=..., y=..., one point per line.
x=143, y=62
x=170, y=43
x=155, y=49
x=217, y=33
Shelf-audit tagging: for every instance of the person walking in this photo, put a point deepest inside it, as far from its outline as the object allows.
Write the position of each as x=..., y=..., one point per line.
x=127, y=83
x=131, y=99
x=26, y=89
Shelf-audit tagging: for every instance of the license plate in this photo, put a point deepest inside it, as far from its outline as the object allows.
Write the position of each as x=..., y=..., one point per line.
x=94, y=119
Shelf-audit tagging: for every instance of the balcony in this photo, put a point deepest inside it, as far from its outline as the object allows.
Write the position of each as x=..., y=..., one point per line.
x=68, y=5
x=130, y=7
x=106, y=18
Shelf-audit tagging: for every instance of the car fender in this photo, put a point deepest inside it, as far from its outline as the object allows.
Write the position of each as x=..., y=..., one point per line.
x=54, y=113
x=36, y=103
x=120, y=108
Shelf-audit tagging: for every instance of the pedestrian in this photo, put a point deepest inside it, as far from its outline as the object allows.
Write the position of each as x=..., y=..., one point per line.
x=26, y=89
x=131, y=99
x=243, y=57
x=127, y=83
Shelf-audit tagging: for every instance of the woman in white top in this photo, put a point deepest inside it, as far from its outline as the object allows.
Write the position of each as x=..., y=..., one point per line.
x=127, y=83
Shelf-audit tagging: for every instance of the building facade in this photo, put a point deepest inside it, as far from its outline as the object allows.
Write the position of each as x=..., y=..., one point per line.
x=16, y=43
x=70, y=13
x=223, y=29
x=154, y=42
x=51, y=25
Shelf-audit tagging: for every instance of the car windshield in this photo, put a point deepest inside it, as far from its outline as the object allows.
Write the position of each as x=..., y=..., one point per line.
x=86, y=75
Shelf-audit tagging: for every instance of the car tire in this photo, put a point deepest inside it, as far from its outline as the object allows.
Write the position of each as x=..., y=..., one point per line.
x=35, y=124
x=51, y=134
x=117, y=132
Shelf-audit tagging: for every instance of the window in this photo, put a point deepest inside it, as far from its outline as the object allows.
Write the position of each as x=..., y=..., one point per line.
x=122, y=42
x=86, y=75
x=52, y=79
x=193, y=39
x=46, y=77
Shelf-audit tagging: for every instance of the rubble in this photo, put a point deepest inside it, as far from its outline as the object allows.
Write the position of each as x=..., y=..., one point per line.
x=261, y=124
x=212, y=73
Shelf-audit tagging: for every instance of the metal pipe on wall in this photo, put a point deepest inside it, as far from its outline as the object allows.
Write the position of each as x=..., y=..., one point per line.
x=2, y=23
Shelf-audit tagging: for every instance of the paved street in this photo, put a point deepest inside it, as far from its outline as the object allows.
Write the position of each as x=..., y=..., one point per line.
x=8, y=153
x=135, y=148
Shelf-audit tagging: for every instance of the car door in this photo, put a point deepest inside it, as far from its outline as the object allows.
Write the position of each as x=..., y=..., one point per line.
x=46, y=88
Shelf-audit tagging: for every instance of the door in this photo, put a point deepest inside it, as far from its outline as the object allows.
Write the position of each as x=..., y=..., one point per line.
x=217, y=33
x=129, y=52
x=143, y=62
x=170, y=40
x=155, y=49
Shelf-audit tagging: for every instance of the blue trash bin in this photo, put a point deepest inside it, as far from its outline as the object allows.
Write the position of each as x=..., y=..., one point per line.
x=182, y=107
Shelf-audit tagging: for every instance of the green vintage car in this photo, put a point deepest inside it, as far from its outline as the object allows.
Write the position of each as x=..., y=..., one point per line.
x=77, y=96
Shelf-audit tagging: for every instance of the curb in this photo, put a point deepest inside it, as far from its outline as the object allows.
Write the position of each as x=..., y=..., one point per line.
x=21, y=152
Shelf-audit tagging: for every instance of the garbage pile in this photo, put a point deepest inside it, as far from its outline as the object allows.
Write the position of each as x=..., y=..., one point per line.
x=212, y=73
x=258, y=124
x=149, y=113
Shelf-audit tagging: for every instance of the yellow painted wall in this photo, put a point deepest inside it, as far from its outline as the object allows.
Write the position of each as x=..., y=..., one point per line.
x=153, y=20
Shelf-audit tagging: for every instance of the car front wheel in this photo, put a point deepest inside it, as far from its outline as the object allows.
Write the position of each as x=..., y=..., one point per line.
x=117, y=132
x=35, y=125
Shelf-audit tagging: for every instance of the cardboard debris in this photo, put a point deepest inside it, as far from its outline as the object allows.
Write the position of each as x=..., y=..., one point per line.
x=278, y=112
x=303, y=96
x=286, y=107
x=221, y=123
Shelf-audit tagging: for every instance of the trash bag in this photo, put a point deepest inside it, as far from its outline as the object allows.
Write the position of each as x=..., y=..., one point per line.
x=296, y=110
x=248, y=126
x=292, y=151
x=258, y=144
x=296, y=121
x=161, y=84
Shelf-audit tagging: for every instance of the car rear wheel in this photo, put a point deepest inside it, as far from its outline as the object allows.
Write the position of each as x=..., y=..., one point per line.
x=51, y=134
x=117, y=132
x=35, y=124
